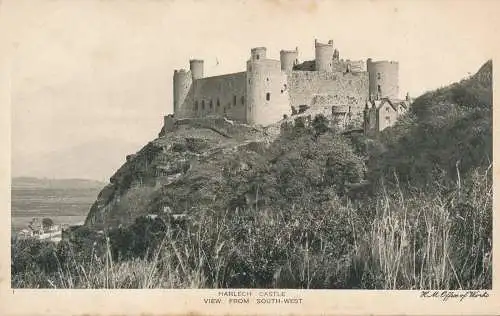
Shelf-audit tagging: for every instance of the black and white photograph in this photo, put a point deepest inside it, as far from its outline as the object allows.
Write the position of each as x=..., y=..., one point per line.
x=239, y=145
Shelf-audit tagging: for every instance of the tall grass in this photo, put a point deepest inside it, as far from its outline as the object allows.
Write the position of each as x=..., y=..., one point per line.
x=425, y=241
x=398, y=240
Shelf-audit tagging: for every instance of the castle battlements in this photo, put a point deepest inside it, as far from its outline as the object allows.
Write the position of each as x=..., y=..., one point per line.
x=268, y=89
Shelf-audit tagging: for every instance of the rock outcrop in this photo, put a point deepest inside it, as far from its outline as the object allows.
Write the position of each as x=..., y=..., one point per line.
x=180, y=171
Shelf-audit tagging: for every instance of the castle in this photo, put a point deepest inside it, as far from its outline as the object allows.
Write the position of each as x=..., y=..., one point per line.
x=270, y=90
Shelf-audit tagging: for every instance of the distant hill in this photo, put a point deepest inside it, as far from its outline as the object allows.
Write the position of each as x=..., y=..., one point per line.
x=32, y=182
x=91, y=160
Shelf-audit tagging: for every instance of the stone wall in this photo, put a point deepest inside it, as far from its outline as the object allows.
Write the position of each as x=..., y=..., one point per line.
x=168, y=123
x=308, y=65
x=220, y=95
x=355, y=65
x=342, y=89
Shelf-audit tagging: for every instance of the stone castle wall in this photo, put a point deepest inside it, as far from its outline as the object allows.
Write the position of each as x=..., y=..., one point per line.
x=342, y=89
x=355, y=65
x=220, y=95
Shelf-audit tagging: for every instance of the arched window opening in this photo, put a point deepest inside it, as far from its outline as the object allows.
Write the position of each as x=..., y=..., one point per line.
x=268, y=96
x=242, y=100
x=203, y=105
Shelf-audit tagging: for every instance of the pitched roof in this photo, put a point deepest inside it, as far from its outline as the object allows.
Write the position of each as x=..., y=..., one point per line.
x=394, y=103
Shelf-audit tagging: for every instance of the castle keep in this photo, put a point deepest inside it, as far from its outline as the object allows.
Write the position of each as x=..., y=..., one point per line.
x=269, y=90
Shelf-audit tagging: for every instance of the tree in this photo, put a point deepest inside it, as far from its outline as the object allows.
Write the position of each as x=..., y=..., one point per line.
x=320, y=124
x=47, y=223
x=35, y=224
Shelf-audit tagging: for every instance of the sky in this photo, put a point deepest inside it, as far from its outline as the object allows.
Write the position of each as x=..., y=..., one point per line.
x=91, y=80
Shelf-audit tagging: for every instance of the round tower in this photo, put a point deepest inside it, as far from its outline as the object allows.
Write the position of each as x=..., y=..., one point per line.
x=196, y=67
x=323, y=55
x=267, y=96
x=289, y=59
x=182, y=84
x=383, y=79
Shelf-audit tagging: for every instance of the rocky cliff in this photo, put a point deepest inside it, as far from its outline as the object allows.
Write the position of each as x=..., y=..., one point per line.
x=180, y=171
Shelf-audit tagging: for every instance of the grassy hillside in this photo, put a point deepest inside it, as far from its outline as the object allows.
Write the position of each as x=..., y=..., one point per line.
x=447, y=134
